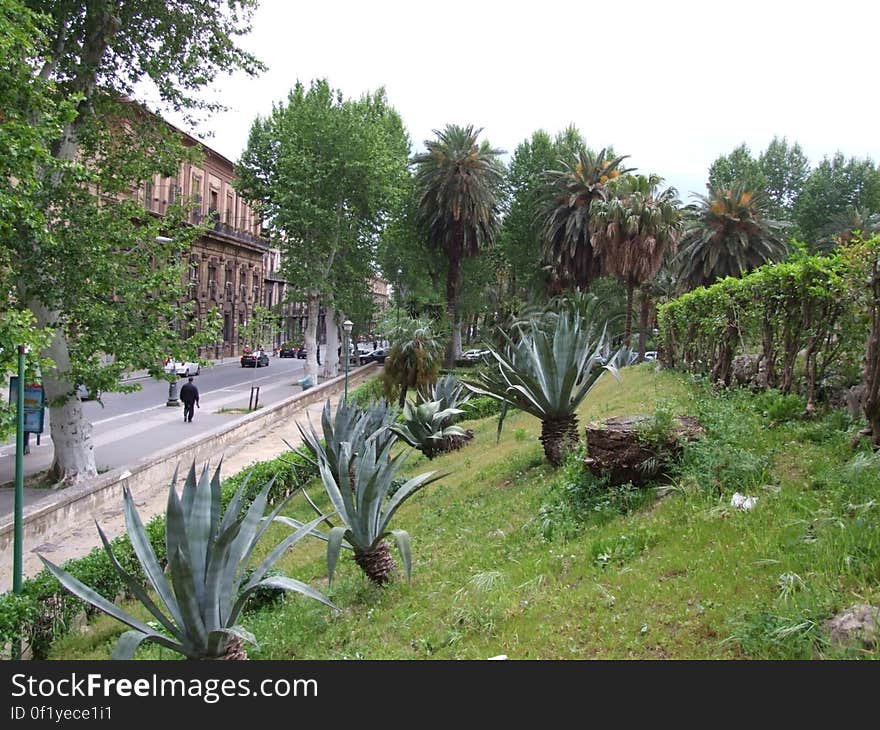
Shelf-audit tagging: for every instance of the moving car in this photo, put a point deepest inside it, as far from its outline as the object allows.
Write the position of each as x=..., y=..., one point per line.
x=378, y=355
x=301, y=352
x=181, y=367
x=256, y=359
x=287, y=350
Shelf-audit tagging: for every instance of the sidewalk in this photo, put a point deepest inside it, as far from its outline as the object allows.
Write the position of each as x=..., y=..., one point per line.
x=80, y=538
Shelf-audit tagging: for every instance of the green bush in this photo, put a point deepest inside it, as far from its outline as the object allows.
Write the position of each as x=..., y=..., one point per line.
x=481, y=407
x=45, y=611
x=367, y=393
x=780, y=408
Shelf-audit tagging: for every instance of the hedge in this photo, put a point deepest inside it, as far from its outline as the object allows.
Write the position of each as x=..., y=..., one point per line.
x=44, y=611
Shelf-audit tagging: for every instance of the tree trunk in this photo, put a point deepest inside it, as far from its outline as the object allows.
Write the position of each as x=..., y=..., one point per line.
x=627, y=327
x=871, y=402
x=313, y=299
x=643, y=324
x=558, y=436
x=331, y=353
x=74, y=452
x=377, y=563
x=453, y=279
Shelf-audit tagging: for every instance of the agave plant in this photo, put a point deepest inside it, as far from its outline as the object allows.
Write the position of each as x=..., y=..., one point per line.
x=210, y=582
x=360, y=494
x=350, y=425
x=448, y=391
x=547, y=372
x=427, y=426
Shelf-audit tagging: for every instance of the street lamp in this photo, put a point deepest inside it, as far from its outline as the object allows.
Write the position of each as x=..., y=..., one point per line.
x=346, y=327
x=172, y=384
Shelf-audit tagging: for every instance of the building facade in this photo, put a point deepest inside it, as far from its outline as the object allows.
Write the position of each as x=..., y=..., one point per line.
x=228, y=263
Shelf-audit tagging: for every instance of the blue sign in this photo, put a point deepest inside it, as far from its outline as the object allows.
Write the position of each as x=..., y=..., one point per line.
x=34, y=400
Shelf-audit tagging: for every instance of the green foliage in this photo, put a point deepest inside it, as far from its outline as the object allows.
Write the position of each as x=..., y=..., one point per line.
x=207, y=553
x=657, y=430
x=426, y=425
x=414, y=358
x=482, y=407
x=367, y=393
x=779, y=407
x=546, y=372
x=44, y=611
x=576, y=499
x=805, y=318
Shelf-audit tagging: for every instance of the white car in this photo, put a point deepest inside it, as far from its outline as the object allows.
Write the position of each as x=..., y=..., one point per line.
x=181, y=367
x=474, y=354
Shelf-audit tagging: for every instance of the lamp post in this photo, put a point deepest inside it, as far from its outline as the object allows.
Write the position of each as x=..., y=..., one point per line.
x=172, y=383
x=346, y=327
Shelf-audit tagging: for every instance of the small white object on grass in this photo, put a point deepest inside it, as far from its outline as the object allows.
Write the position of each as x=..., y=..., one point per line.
x=741, y=501
x=500, y=656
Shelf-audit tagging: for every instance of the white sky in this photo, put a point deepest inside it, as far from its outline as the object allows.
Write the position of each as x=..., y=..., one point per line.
x=672, y=84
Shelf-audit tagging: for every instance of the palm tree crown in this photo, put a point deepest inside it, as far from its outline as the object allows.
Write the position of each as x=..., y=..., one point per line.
x=728, y=236
x=565, y=214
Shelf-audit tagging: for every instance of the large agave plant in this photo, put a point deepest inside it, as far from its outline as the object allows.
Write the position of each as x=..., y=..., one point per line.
x=350, y=425
x=428, y=427
x=547, y=371
x=360, y=494
x=208, y=581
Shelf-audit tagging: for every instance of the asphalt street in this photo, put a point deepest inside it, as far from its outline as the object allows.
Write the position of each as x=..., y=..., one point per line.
x=130, y=426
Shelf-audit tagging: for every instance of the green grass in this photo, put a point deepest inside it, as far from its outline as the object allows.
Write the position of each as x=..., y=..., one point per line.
x=669, y=572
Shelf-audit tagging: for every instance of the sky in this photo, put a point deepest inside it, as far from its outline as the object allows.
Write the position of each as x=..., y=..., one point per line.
x=673, y=85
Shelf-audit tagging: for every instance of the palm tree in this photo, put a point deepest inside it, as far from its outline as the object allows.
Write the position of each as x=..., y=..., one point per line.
x=728, y=236
x=843, y=226
x=632, y=229
x=565, y=213
x=459, y=183
x=414, y=358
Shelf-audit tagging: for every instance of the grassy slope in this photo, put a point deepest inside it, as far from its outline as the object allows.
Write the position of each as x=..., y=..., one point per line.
x=684, y=577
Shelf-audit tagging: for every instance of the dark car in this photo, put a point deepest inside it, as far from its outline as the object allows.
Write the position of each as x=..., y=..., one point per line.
x=287, y=351
x=301, y=353
x=378, y=355
x=256, y=359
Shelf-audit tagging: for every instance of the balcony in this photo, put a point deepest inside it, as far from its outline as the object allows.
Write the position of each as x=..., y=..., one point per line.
x=228, y=230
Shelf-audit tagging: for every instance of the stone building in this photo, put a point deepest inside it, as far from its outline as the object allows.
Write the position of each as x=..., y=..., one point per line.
x=228, y=264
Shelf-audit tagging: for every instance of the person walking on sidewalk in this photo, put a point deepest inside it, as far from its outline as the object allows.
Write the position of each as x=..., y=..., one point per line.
x=189, y=394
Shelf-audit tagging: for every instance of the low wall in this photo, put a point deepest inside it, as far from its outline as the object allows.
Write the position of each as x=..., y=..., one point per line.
x=155, y=470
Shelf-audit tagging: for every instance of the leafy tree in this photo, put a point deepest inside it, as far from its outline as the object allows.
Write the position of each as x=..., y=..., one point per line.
x=326, y=173
x=835, y=185
x=633, y=228
x=737, y=167
x=728, y=236
x=567, y=197
x=785, y=169
x=88, y=265
x=843, y=227
x=458, y=181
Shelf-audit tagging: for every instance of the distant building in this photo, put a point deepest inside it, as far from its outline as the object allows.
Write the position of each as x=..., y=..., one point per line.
x=228, y=263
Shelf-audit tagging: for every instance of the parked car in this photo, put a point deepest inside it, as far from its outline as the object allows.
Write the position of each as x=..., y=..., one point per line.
x=650, y=355
x=181, y=367
x=257, y=359
x=301, y=352
x=378, y=355
x=474, y=354
x=287, y=350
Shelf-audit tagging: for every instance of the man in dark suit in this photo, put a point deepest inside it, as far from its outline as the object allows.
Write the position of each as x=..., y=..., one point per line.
x=189, y=394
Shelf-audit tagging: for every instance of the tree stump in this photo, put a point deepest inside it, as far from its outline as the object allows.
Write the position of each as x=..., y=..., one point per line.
x=618, y=447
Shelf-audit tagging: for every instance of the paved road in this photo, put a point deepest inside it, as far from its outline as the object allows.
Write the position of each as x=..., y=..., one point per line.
x=133, y=425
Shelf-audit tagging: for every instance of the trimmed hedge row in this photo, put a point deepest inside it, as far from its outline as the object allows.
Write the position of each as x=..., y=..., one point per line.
x=44, y=611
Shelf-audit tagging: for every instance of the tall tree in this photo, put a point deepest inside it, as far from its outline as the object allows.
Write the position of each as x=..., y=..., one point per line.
x=94, y=274
x=737, y=167
x=835, y=185
x=632, y=230
x=459, y=182
x=520, y=238
x=728, y=236
x=326, y=173
x=785, y=169
x=567, y=196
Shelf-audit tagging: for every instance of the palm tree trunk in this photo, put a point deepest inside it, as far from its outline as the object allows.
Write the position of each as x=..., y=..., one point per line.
x=643, y=324
x=453, y=280
x=559, y=436
x=377, y=563
x=627, y=328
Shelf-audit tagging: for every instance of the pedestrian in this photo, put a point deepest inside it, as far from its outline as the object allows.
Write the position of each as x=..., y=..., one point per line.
x=189, y=394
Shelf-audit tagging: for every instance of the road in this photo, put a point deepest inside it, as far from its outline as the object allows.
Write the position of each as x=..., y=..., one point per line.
x=130, y=426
